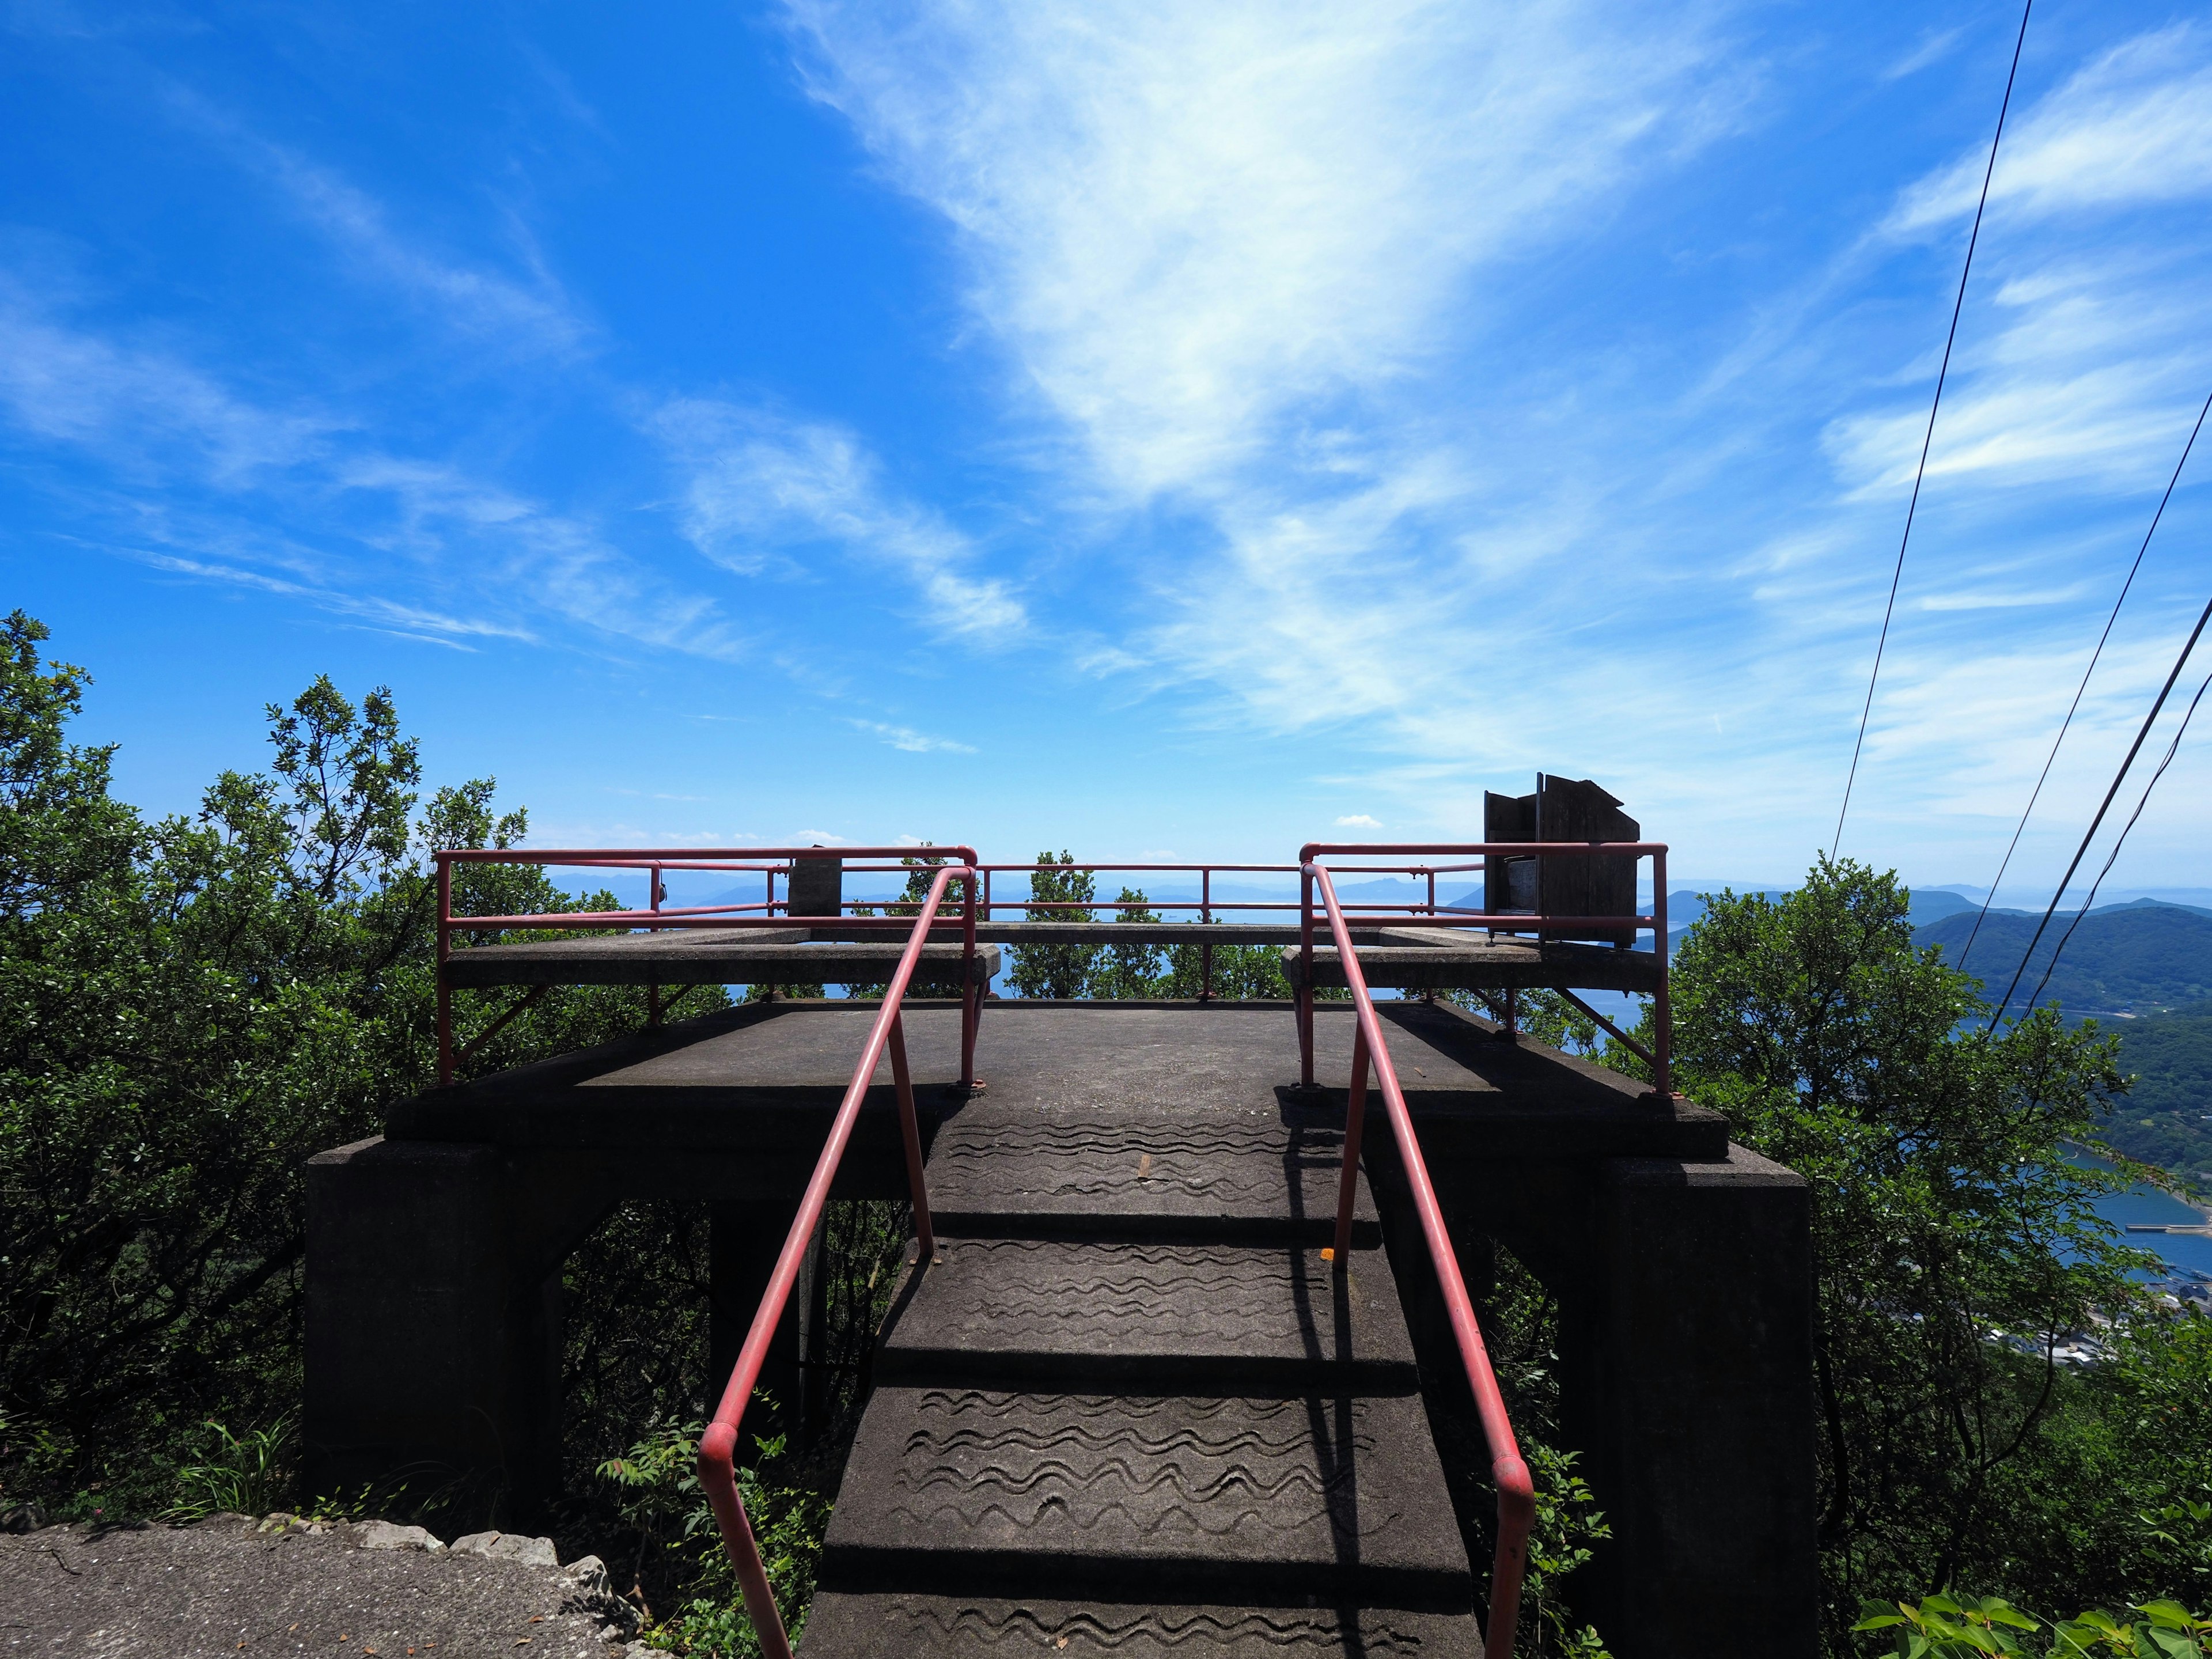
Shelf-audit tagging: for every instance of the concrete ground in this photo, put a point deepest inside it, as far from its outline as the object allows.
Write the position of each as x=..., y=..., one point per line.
x=223, y=1588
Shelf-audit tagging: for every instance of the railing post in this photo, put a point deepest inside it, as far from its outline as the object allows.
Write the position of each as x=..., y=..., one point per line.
x=1355, y=1118
x=445, y=992
x=1205, y=945
x=652, y=991
x=1662, y=1002
x=1305, y=991
x=972, y=991
x=910, y=1132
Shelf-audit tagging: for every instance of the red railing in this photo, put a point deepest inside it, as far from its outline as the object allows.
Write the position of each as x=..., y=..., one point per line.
x=1516, y=1492
x=718, y=1446
x=1206, y=904
x=656, y=918
x=1507, y=921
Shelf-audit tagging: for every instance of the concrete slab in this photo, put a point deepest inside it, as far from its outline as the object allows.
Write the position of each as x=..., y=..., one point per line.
x=857, y=1626
x=1249, y=1176
x=1480, y=964
x=715, y=957
x=1251, y=1501
x=766, y=1077
x=1219, y=1317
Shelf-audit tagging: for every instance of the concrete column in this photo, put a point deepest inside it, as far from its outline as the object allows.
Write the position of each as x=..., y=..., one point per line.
x=743, y=1240
x=1687, y=1373
x=433, y=1344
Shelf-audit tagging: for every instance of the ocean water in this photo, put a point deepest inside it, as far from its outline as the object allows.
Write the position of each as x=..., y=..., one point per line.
x=2140, y=1203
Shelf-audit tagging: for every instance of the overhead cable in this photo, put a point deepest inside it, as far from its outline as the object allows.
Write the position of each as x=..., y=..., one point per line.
x=2164, y=761
x=2037, y=791
x=1929, y=437
x=2103, y=807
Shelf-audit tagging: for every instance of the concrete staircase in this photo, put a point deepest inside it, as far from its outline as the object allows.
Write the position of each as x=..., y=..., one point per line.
x=1130, y=1409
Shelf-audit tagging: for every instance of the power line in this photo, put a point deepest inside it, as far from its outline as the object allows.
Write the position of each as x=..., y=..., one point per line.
x=2037, y=791
x=2164, y=761
x=2104, y=806
x=1929, y=437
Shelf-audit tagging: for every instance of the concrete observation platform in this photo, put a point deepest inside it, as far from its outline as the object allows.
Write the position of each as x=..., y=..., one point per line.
x=1129, y=1404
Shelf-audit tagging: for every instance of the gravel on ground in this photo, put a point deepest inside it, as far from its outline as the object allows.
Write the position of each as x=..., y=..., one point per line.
x=231, y=1585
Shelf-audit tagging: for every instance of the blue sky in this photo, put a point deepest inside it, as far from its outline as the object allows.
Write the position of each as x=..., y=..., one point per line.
x=1160, y=430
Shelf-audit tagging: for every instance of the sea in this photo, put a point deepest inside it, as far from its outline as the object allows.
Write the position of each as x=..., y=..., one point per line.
x=2186, y=1252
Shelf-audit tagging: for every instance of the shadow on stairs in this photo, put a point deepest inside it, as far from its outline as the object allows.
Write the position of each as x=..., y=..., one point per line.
x=1130, y=1408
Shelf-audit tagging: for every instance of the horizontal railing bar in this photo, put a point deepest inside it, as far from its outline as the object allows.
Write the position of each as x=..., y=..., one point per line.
x=648, y=855
x=1492, y=849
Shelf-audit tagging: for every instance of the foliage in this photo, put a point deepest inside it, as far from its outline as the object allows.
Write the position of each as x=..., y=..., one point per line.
x=1544, y=1016
x=189, y=1008
x=661, y=1497
x=1130, y=970
x=243, y=1475
x=638, y=1354
x=2164, y=1120
x=1954, y=1244
x=1568, y=1522
x=1520, y=1325
x=1966, y=1627
x=1231, y=973
x=1057, y=971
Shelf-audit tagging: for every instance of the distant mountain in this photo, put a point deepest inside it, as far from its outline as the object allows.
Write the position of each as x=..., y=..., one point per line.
x=2126, y=959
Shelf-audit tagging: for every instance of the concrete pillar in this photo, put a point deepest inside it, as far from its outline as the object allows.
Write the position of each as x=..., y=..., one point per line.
x=1686, y=1373
x=743, y=1240
x=433, y=1341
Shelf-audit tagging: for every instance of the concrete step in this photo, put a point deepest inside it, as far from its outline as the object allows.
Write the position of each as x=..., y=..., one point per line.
x=921, y=1627
x=1230, y=1501
x=1221, y=1318
x=1256, y=1178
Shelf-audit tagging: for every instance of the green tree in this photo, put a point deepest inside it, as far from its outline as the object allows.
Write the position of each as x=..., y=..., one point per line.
x=1124, y=971
x=189, y=1008
x=1954, y=1244
x=1062, y=891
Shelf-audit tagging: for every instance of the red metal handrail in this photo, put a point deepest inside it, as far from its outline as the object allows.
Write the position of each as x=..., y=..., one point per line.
x=1206, y=904
x=1516, y=1492
x=1657, y=1057
x=718, y=1446
x=657, y=918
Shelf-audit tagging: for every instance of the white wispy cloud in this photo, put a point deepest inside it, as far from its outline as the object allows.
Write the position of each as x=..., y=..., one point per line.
x=1358, y=821
x=210, y=483
x=1196, y=228
x=913, y=742
x=141, y=406
x=525, y=309
x=2132, y=127
x=760, y=491
x=1229, y=252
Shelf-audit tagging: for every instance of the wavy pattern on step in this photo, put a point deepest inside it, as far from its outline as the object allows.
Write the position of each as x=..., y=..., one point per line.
x=1016, y=1318
x=1048, y=1436
x=1215, y=1260
x=1134, y=1140
x=1201, y=1483
x=1175, y=1519
x=1320, y=1633
x=1003, y=1403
